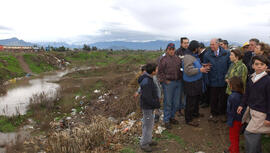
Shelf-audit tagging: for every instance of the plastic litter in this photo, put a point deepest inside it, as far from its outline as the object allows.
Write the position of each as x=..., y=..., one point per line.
x=160, y=130
x=96, y=91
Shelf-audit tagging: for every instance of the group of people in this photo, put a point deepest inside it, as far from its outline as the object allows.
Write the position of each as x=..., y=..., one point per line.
x=234, y=82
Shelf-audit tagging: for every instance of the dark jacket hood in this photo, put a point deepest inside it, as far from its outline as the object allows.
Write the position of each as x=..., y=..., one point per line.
x=144, y=75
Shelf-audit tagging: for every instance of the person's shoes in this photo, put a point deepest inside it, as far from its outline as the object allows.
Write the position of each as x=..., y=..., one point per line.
x=199, y=115
x=174, y=121
x=156, y=118
x=168, y=126
x=193, y=123
x=153, y=143
x=204, y=105
x=180, y=113
x=146, y=148
x=212, y=119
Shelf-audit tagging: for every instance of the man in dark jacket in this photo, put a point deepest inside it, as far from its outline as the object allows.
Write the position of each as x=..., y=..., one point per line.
x=204, y=100
x=169, y=75
x=184, y=42
x=220, y=63
x=249, y=54
x=149, y=101
x=180, y=52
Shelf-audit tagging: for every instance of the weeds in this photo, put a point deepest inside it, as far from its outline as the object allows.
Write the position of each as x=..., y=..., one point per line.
x=41, y=108
x=176, y=138
x=127, y=150
x=82, y=138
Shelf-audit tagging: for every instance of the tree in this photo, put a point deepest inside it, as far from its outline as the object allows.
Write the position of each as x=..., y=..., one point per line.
x=86, y=47
x=94, y=48
x=61, y=49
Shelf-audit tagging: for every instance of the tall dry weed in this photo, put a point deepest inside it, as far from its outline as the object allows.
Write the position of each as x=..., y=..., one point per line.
x=83, y=138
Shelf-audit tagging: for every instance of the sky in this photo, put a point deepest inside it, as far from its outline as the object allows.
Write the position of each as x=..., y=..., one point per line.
x=88, y=21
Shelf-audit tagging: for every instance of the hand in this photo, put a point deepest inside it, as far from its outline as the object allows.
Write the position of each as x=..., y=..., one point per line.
x=136, y=94
x=267, y=70
x=204, y=69
x=266, y=123
x=239, y=109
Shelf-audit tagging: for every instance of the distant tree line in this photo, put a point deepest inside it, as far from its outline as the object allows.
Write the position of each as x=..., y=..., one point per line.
x=63, y=48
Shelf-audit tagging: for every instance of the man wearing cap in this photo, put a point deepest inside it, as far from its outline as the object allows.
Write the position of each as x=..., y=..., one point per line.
x=245, y=47
x=220, y=63
x=169, y=76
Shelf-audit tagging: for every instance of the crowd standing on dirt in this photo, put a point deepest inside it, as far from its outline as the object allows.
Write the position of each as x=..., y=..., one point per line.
x=234, y=82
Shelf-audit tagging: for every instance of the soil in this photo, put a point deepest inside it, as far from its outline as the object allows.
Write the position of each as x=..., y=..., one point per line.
x=208, y=137
x=115, y=80
x=23, y=64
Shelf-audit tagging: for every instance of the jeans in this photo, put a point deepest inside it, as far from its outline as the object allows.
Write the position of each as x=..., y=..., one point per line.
x=147, y=126
x=171, y=99
x=183, y=96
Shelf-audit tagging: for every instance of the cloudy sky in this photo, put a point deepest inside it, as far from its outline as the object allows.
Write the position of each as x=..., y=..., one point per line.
x=134, y=20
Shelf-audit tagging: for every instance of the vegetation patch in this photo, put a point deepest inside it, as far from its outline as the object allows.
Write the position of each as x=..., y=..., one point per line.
x=10, y=124
x=174, y=137
x=37, y=64
x=9, y=67
x=266, y=143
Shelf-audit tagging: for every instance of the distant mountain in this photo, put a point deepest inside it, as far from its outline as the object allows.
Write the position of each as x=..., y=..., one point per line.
x=14, y=42
x=58, y=44
x=115, y=45
x=150, y=45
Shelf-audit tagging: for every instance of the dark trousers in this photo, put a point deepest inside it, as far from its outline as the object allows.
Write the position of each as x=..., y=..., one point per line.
x=253, y=142
x=192, y=107
x=218, y=100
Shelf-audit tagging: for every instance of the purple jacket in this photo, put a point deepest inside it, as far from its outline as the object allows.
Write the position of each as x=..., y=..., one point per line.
x=169, y=68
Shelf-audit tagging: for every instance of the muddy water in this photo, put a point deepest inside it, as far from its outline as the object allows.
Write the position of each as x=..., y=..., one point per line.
x=16, y=100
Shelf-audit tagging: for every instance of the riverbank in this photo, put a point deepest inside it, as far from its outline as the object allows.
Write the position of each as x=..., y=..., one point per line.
x=96, y=112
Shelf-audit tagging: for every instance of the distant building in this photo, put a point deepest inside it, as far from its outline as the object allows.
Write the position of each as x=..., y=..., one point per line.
x=18, y=48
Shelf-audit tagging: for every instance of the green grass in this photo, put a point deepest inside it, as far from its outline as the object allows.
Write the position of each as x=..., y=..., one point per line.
x=10, y=124
x=37, y=64
x=266, y=143
x=10, y=67
x=104, y=58
x=174, y=137
x=127, y=150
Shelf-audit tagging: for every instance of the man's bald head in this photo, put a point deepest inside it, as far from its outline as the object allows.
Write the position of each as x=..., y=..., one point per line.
x=214, y=44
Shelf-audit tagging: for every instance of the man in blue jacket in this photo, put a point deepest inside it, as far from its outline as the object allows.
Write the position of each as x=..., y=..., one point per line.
x=220, y=62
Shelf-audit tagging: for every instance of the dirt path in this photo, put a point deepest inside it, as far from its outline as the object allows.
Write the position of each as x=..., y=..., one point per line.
x=208, y=137
x=23, y=64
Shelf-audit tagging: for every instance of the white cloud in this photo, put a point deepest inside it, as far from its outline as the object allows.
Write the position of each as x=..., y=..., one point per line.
x=73, y=20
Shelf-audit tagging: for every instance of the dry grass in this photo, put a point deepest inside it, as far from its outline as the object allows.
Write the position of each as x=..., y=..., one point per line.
x=83, y=138
x=41, y=108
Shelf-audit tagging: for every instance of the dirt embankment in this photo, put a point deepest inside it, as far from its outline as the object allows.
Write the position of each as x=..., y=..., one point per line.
x=23, y=64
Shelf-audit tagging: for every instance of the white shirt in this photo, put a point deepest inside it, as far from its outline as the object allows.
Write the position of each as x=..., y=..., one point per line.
x=259, y=76
x=217, y=51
